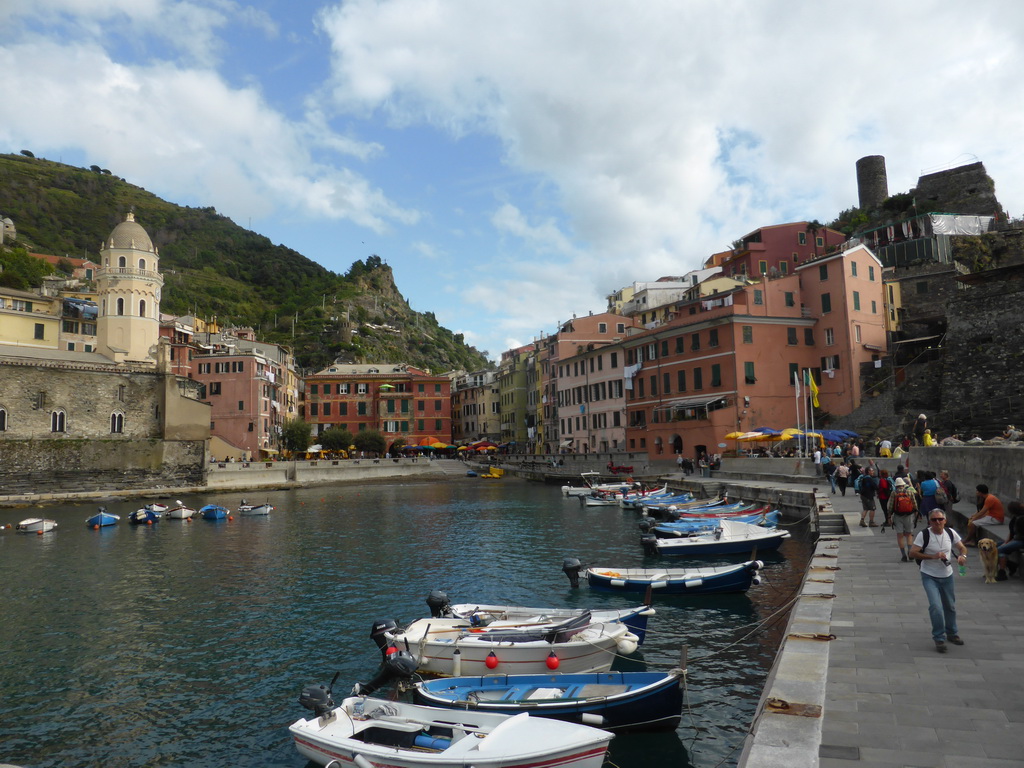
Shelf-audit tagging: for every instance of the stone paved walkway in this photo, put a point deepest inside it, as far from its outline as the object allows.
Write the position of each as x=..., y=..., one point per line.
x=890, y=698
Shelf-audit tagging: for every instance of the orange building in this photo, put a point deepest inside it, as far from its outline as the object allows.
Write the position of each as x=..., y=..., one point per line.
x=399, y=401
x=727, y=363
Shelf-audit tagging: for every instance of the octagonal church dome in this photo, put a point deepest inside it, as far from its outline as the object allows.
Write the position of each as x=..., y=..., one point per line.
x=130, y=234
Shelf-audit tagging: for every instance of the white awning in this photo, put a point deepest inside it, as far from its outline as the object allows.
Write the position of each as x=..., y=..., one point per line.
x=692, y=402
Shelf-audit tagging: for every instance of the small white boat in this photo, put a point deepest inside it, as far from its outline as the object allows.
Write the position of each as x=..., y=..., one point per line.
x=590, y=483
x=180, y=512
x=36, y=525
x=246, y=508
x=729, y=537
x=456, y=647
x=365, y=732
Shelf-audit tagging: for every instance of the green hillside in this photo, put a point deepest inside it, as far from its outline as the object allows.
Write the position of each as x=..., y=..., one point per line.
x=214, y=268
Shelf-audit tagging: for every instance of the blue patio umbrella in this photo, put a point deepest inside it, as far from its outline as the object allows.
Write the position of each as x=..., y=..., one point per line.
x=766, y=431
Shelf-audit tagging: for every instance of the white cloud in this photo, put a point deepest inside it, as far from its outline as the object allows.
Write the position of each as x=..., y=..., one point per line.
x=182, y=129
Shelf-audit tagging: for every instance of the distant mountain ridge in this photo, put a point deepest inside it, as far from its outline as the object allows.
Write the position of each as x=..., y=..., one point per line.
x=214, y=268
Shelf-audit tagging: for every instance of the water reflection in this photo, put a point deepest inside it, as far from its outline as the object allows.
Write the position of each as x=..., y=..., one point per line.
x=186, y=643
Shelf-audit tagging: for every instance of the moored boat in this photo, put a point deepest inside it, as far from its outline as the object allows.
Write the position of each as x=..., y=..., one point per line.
x=614, y=701
x=36, y=525
x=677, y=581
x=144, y=516
x=254, y=509
x=480, y=614
x=180, y=511
x=729, y=537
x=591, y=483
x=691, y=526
x=102, y=518
x=365, y=732
x=213, y=512
x=454, y=646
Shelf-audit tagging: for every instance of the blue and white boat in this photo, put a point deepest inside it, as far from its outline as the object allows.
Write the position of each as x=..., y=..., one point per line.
x=614, y=701
x=144, y=516
x=677, y=581
x=729, y=537
x=213, y=512
x=691, y=526
x=102, y=519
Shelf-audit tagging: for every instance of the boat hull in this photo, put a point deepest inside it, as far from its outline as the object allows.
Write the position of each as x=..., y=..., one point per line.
x=688, y=527
x=36, y=525
x=422, y=737
x=433, y=642
x=614, y=701
x=676, y=581
x=213, y=512
x=254, y=510
x=634, y=618
x=706, y=545
x=102, y=520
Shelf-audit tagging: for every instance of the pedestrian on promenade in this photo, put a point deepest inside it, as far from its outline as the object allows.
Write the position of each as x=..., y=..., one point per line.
x=990, y=510
x=1014, y=540
x=867, y=489
x=817, y=462
x=842, y=477
x=902, y=508
x=919, y=429
x=933, y=549
x=830, y=472
x=679, y=461
x=928, y=487
x=885, y=448
x=950, y=489
x=884, y=490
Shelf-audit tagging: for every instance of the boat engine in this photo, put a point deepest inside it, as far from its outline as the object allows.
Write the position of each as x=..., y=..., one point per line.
x=439, y=605
x=378, y=631
x=650, y=543
x=318, y=697
x=646, y=524
x=571, y=567
x=398, y=666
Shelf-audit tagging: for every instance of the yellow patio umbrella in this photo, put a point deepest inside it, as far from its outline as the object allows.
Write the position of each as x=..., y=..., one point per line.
x=734, y=435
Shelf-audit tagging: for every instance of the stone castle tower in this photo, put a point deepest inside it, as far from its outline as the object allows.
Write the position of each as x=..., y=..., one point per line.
x=129, y=284
x=872, y=182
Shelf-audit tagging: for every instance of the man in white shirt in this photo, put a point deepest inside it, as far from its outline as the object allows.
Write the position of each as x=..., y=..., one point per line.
x=933, y=549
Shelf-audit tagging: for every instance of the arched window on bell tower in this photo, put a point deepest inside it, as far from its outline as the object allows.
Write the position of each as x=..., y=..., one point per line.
x=120, y=306
x=142, y=308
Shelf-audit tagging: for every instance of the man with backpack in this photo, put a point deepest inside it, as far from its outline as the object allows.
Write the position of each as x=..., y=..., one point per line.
x=933, y=549
x=902, y=508
x=866, y=487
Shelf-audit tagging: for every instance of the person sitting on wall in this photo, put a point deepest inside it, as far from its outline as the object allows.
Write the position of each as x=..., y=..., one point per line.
x=1014, y=540
x=990, y=510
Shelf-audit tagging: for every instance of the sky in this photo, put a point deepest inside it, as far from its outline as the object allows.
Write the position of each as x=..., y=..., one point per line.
x=515, y=162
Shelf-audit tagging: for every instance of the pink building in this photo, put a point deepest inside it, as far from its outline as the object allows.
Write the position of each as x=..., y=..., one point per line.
x=727, y=363
x=777, y=250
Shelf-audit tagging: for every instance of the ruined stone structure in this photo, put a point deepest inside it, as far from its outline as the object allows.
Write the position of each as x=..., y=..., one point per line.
x=872, y=183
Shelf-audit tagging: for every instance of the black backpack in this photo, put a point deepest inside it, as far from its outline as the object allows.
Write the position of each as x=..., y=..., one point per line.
x=927, y=537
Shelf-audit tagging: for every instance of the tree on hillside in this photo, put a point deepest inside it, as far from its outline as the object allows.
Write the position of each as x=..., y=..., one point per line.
x=21, y=271
x=814, y=227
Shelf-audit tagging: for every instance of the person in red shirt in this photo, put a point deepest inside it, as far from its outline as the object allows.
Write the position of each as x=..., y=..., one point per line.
x=990, y=510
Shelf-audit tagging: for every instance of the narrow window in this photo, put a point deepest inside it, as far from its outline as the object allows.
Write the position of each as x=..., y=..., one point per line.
x=117, y=423
x=58, y=421
x=748, y=373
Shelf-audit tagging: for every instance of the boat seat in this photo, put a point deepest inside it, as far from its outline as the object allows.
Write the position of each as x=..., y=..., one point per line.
x=545, y=693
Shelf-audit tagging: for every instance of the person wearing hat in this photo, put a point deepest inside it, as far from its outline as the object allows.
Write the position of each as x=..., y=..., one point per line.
x=919, y=429
x=902, y=508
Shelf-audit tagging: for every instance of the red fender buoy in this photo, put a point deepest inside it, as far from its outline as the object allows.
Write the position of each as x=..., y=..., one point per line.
x=491, y=661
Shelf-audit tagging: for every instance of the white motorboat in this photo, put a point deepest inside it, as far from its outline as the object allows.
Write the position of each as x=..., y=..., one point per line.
x=480, y=614
x=590, y=483
x=36, y=525
x=254, y=509
x=367, y=732
x=456, y=647
x=729, y=537
x=180, y=512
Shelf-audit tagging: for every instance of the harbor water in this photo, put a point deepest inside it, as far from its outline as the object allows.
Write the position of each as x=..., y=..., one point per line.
x=186, y=643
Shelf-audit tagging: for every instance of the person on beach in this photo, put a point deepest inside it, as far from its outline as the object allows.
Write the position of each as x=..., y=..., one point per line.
x=933, y=549
x=902, y=509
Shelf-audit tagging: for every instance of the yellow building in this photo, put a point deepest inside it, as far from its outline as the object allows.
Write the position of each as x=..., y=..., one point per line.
x=28, y=319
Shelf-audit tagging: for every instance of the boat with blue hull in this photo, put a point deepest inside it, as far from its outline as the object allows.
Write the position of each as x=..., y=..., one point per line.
x=213, y=512
x=614, y=701
x=676, y=581
x=102, y=519
x=692, y=526
x=144, y=516
x=730, y=537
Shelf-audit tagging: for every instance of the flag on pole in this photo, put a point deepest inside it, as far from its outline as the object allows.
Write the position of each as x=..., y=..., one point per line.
x=812, y=386
x=796, y=382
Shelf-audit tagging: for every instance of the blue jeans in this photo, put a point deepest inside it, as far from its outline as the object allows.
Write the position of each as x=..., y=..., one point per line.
x=941, y=606
x=832, y=481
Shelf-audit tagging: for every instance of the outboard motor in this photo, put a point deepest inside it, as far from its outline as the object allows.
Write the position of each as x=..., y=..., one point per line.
x=646, y=524
x=378, y=631
x=571, y=567
x=672, y=514
x=400, y=665
x=439, y=605
x=650, y=543
x=318, y=697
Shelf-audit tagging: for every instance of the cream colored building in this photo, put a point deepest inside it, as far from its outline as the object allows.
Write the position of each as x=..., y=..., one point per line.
x=28, y=319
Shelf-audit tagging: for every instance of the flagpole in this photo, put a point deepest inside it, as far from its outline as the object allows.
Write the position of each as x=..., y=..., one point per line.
x=796, y=384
